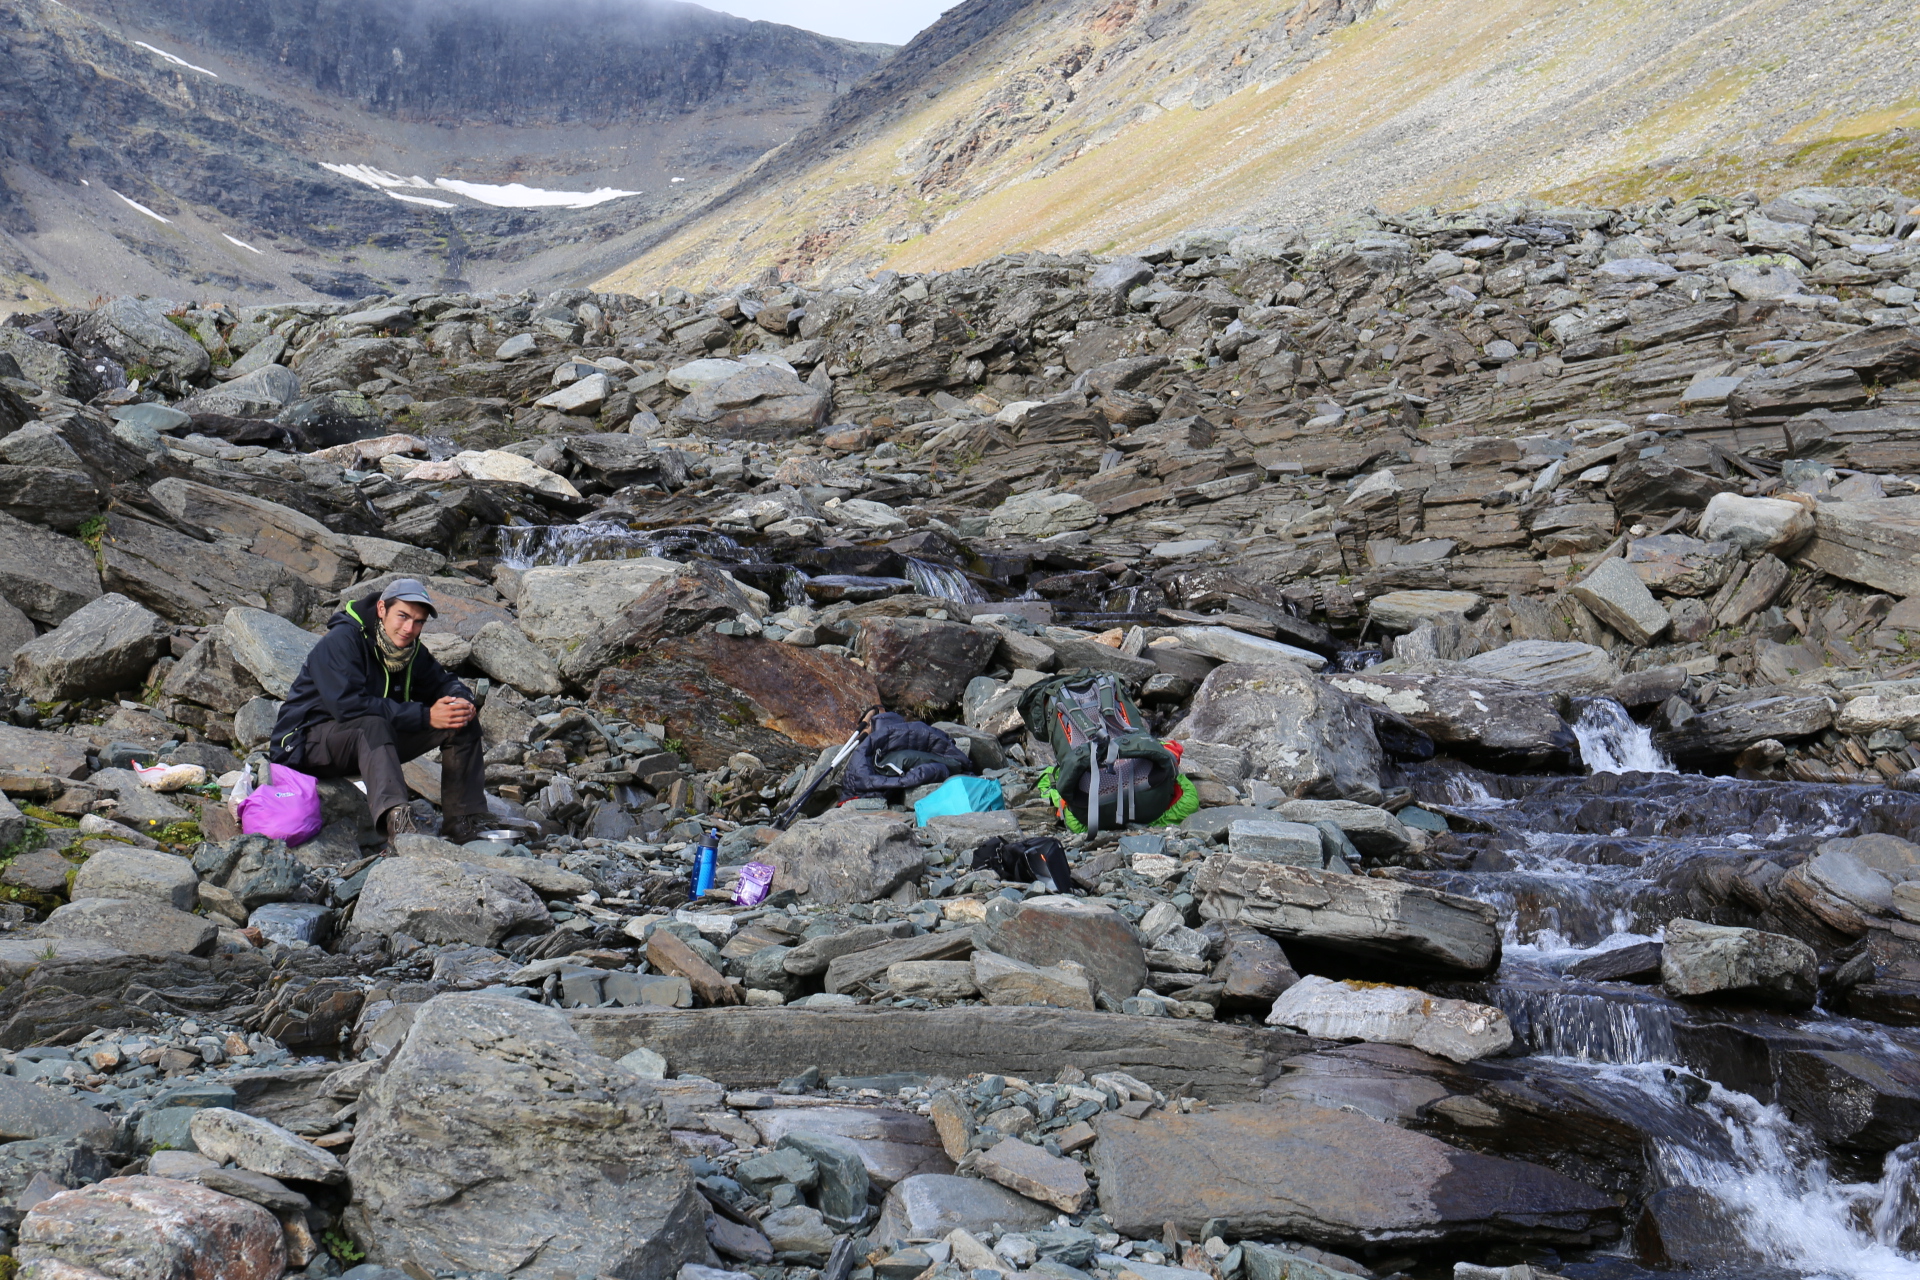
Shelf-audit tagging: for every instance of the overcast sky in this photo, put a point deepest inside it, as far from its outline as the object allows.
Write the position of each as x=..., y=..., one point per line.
x=888, y=21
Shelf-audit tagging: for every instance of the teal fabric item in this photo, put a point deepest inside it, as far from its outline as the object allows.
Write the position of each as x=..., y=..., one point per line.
x=959, y=795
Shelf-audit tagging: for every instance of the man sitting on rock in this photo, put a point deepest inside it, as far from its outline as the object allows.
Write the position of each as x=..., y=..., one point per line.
x=369, y=697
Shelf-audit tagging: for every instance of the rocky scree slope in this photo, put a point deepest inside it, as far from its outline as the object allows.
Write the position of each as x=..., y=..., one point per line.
x=216, y=121
x=1374, y=519
x=1109, y=127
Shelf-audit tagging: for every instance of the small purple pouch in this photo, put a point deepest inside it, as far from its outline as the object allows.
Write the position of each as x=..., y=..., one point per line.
x=756, y=878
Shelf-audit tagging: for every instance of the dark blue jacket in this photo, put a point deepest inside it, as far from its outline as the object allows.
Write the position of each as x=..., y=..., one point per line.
x=931, y=756
x=344, y=679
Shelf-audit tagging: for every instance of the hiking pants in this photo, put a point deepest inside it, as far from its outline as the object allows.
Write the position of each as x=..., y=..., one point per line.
x=369, y=747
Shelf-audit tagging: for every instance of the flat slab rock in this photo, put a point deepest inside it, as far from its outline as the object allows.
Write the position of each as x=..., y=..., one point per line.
x=893, y=1145
x=743, y=1046
x=1334, y=1178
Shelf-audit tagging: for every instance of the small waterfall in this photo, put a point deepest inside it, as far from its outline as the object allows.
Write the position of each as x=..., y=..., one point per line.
x=793, y=588
x=1789, y=1208
x=533, y=546
x=1610, y=742
x=1587, y=1026
x=944, y=582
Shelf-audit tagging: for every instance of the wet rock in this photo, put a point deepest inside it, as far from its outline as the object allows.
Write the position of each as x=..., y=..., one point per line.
x=138, y=874
x=45, y=575
x=255, y=526
x=138, y=926
x=1005, y=981
x=1330, y=1177
x=920, y=664
x=227, y=1136
x=272, y=649
x=103, y=648
x=1639, y=962
x=1300, y=734
x=930, y=1205
x=1560, y=666
x=1053, y=928
x=1848, y=882
x=1851, y=1098
x=1701, y=959
x=495, y=1137
x=438, y=900
x=1381, y=1014
x=845, y=856
x=1687, y=1229
x=1772, y=526
x=720, y=695
x=1507, y=724
x=1617, y=596
x=142, y=1226
x=1376, y=918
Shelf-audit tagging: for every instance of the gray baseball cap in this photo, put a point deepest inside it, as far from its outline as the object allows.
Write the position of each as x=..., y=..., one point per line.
x=411, y=590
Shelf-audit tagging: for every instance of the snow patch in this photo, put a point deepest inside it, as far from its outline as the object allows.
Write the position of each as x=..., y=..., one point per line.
x=515, y=196
x=178, y=62
x=143, y=209
x=431, y=204
x=242, y=243
x=378, y=179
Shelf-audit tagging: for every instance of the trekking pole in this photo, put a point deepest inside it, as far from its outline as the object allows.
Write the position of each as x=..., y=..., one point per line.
x=792, y=811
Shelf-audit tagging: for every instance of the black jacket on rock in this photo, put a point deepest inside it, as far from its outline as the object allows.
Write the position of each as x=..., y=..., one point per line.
x=344, y=679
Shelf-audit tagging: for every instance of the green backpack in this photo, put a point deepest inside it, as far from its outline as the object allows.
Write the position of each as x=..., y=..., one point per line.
x=1110, y=768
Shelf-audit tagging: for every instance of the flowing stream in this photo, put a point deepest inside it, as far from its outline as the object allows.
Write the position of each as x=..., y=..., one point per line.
x=1582, y=866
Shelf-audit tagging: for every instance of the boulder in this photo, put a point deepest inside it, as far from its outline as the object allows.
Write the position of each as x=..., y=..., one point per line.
x=1030, y=1171
x=495, y=1140
x=928, y=1206
x=49, y=365
x=256, y=870
x=893, y=1145
x=505, y=653
x=37, y=752
x=57, y=497
x=1377, y=919
x=1055, y=928
x=932, y=979
x=266, y=529
x=678, y=604
x=1702, y=959
x=45, y=575
x=1480, y=717
x=103, y=648
x=921, y=664
x=720, y=695
x=511, y=468
x=194, y=583
x=845, y=856
x=1874, y=712
x=1381, y=1014
x=582, y=397
x=16, y=629
x=1398, y=611
x=1618, y=597
x=1005, y=981
x=345, y=363
x=440, y=900
x=269, y=647
x=542, y=877
x=1644, y=486
x=261, y=392
x=558, y=605
x=1334, y=1178
x=1560, y=666
x=1732, y=724
x=211, y=676
x=1300, y=734
x=29, y=1111
x=1227, y=645
x=137, y=874
x=1259, y=840
x=1252, y=970
x=136, y=331
x=261, y=1146
x=1373, y=831
x=138, y=926
x=144, y=1226
x=1041, y=514
x=1772, y=526
x=1677, y=565
x=763, y=402
x=1853, y=880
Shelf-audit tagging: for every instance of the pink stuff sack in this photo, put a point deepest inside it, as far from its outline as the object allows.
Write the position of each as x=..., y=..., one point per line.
x=287, y=808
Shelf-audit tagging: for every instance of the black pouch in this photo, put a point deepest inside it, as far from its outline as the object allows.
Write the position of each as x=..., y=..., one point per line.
x=1034, y=860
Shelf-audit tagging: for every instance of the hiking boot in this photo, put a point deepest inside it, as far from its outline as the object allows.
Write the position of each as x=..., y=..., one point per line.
x=398, y=822
x=461, y=829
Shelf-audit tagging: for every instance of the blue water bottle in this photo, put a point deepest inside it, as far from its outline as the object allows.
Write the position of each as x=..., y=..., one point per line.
x=706, y=859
